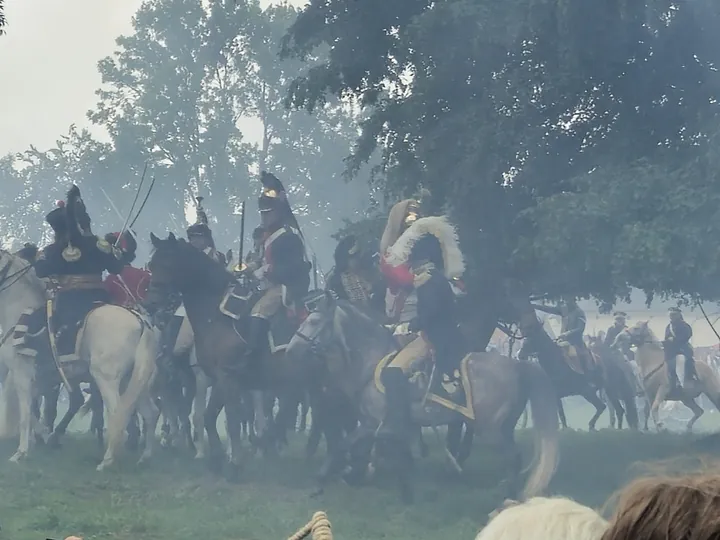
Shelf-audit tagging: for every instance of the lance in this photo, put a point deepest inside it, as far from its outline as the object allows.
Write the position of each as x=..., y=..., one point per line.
x=112, y=205
x=242, y=234
x=137, y=195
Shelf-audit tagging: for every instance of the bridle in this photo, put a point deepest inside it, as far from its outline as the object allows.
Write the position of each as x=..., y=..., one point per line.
x=6, y=276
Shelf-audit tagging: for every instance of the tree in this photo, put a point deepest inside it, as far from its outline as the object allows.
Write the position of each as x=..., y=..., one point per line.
x=3, y=22
x=178, y=91
x=503, y=108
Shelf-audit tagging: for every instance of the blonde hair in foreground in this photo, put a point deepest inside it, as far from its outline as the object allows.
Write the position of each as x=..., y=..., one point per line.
x=544, y=518
x=682, y=508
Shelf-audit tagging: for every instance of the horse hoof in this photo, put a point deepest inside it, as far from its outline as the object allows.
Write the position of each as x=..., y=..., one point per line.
x=53, y=441
x=106, y=464
x=200, y=455
x=18, y=457
x=144, y=458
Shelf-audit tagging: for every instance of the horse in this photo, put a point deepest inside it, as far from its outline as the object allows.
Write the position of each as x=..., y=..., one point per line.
x=569, y=382
x=115, y=343
x=650, y=358
x=614, y=359
x=343, y=348
x=178, y=267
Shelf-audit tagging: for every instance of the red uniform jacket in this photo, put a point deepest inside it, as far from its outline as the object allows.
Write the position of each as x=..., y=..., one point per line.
x=397, y=277
x=130, y=287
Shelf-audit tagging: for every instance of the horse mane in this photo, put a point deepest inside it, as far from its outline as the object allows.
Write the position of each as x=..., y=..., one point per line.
x=362, y=322
x=216, y=273
x=17, y=263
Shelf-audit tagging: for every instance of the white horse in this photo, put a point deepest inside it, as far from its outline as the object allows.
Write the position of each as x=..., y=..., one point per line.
x=115, y=343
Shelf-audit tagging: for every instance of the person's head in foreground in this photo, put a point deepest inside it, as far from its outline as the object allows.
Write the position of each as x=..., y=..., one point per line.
x=545, y=518
x=683, y=508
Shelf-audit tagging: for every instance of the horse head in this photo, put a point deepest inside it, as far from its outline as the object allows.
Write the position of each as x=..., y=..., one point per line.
x=638, y=334
x=176, y=266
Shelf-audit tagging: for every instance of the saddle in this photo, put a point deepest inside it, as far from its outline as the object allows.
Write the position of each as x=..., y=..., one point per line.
x=453, y=393
x=581, y=362
x=237, y=303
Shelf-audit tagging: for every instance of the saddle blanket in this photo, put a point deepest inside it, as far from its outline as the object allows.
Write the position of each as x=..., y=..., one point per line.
x=459, y=390
x=237, y=304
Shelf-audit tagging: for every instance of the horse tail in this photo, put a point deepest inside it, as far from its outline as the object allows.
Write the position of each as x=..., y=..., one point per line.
x=143, y=373
x=544, y=408
x=9, y=408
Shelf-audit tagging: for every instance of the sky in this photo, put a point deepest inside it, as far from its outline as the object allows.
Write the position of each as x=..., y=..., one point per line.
x=48, y=65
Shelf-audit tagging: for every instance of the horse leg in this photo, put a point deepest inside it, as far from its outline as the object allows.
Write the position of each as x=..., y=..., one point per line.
x=212, y=411
x=233, y=414
x=561, y=413
x=202, y=384
x=150, y=415
x=697, y=413
x=75, y=401
x=466, y=444
x=50, y=402
x=110, y=392
x=97, y=422
x=591, y=396
x=23, y=379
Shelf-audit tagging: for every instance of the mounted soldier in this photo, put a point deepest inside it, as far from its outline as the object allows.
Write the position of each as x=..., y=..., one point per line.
x=619, y=325
x=430, y=249
x=572, y=329
x=73, y=265
x=677, y=342
x=400, y=299
x=283, y=271
x=351, y=278
x=129, y=287
x=200, y=235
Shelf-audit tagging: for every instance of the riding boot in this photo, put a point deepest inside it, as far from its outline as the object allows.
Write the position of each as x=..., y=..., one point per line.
x=396, y=424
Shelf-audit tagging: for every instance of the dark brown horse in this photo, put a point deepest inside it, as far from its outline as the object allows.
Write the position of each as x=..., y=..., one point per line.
x=177, y=266
x=569, y=382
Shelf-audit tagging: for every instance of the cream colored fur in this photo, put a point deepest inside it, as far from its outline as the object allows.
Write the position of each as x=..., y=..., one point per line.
x=443, y=230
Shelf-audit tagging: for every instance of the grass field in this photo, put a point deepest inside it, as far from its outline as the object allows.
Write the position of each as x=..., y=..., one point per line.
x=59, y=493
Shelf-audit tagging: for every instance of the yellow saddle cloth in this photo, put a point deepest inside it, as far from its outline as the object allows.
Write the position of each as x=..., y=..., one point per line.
x=460, y=388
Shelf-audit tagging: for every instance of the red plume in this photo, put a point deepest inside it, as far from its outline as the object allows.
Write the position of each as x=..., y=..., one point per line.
x=60, y=204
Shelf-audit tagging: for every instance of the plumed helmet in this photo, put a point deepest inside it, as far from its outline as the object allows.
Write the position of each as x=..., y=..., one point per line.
x=427, y=249
x=76, y=212
x=57, y=218
x=273, y=195
x=200, y=227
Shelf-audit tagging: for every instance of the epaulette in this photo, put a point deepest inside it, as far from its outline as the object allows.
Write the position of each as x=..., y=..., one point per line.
x=104, y=246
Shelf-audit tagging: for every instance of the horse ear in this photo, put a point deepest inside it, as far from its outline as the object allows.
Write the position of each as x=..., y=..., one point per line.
x=172, y=238
x=229, y=256
x=155, y=240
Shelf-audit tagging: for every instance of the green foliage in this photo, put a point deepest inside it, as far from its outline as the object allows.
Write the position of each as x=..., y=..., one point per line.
x=3, y=21
x=503, y=108
x=175, y=94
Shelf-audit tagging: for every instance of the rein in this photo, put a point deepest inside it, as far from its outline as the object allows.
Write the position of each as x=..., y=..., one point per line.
x=15, y=277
